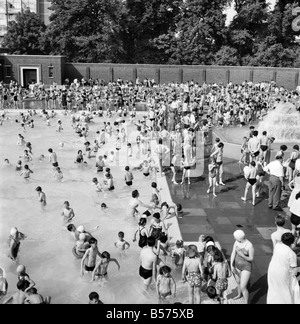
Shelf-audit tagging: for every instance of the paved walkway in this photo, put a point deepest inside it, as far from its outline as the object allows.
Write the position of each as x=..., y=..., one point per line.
x=221, y=216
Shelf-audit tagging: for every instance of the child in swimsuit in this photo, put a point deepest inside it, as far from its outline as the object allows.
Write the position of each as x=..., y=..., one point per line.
x=212, y=168
x=100, y=270
x=128, y=176
x=251, y=177
x=178, y=254
x=165, y=284
x=146, y=169
x=19, y=166
x=220, y=274
x=58, y=175
x=26, y=172
x=121, y=244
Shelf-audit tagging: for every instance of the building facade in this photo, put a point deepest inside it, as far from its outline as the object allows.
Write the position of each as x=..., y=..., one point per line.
x=10, y=8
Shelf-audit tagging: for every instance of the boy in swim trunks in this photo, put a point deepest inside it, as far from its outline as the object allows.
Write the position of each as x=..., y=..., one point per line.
x=100, y=269
x=68, y=212
x=128, y=176
x=121, y=244
x=58, y=175
x=41, y=196
x=26, y=172
x=91, y=256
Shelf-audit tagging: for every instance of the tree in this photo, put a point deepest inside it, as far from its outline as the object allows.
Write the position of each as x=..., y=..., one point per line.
x=86, y=30
x=248, y=28
x=279, y=47
x=227, y=56
x=145, y=22
x=24, y=35
x=200, y=33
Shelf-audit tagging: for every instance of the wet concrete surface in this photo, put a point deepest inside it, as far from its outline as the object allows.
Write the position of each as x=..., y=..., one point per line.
x=219, y=217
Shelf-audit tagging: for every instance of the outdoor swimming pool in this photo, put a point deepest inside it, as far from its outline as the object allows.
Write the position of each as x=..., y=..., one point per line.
x=47, y=251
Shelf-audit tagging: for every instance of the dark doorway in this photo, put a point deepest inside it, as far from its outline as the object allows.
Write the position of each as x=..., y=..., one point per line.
x=29, y=76
x=1, y=70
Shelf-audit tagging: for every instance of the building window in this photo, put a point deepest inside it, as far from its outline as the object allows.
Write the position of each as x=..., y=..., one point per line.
x=51, y=71
x=7, y=72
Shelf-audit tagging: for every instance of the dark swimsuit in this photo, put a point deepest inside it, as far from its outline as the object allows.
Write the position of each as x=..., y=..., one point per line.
x=90, y=269
x=144, y=273
x=142, y=240
x=264, y=148
x=129, y=183
x=15, y=250
x=292, y=164
x=252, y=181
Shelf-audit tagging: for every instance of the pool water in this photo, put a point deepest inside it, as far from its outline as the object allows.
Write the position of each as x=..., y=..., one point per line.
x=47, y=250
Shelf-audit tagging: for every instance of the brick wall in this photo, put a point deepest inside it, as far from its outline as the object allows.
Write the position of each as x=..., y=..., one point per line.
x=289, y=78
x=40, y=61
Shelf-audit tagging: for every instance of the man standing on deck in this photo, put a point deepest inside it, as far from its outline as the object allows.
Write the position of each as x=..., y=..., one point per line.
x=276, y=184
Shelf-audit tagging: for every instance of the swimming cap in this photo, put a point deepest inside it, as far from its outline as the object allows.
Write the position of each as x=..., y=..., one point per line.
x=21, y=268
x=82, y=236
x=80, y=228
x=239, y=235
x=13, y=231
x=210, y=243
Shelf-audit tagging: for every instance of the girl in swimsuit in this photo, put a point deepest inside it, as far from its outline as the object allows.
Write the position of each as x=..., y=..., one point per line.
x=220, y=274
x=212, y=168
x=192, y=272
x=165, y=284
x=251, y=177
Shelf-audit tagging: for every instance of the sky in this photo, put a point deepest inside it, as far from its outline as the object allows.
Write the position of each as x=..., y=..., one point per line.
x=231, y=12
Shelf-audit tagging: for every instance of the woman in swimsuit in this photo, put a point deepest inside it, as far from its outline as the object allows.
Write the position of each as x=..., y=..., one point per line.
x=241, y=263
x=192, y=272
x=14, y=242
x=251, y=177
x=157, y=226
x=143, y=233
